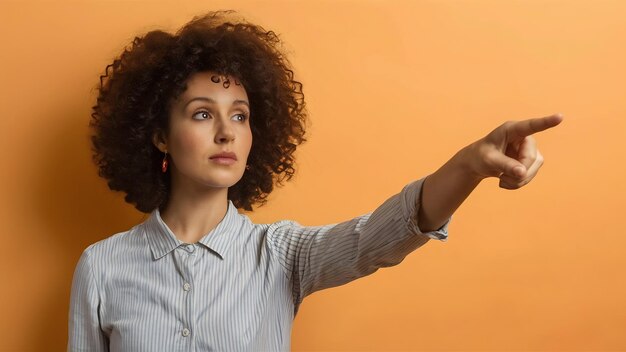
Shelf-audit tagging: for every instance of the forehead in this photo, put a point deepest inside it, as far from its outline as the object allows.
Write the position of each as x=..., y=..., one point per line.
x=209, y=83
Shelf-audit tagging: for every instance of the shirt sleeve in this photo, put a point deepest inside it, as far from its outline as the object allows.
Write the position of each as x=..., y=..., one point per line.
x=319, y=257
x=84, y=333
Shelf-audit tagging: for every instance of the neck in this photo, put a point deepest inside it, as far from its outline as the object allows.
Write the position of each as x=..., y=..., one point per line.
x=192, y=212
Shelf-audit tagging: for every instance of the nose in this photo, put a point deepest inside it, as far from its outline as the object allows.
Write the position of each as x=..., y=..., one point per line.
x=224, y=132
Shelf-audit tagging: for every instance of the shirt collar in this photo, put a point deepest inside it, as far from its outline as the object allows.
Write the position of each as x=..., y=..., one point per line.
x=162, y=240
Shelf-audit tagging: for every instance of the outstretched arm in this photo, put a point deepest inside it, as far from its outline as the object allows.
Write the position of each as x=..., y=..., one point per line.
x=509, y=152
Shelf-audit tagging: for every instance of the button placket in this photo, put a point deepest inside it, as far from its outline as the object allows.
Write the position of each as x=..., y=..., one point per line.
x=186, y=258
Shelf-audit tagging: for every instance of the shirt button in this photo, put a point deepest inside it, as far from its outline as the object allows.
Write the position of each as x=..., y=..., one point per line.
x=190, y=248
x=186, y=332
x=186, y=286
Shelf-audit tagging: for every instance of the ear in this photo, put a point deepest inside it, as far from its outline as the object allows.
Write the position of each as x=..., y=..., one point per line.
x=159, y=141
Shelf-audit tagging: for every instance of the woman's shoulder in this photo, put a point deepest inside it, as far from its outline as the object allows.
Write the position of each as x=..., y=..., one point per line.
x=122, y=240
x=268, y=226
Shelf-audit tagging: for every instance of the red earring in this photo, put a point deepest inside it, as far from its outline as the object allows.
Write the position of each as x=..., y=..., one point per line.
x=164, y=163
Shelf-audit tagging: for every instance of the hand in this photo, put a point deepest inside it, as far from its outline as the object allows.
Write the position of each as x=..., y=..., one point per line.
x=509, y=152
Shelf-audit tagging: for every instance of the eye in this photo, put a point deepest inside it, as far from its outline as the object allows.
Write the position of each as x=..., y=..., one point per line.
x=200, y=112
x=244, y=117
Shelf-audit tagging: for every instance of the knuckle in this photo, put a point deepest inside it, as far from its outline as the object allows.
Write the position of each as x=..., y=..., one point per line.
x=489, y=158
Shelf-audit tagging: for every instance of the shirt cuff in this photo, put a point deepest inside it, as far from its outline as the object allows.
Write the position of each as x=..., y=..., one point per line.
x=410, y=208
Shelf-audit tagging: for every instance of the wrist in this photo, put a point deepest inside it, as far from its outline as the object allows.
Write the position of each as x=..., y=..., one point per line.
x=466, y=161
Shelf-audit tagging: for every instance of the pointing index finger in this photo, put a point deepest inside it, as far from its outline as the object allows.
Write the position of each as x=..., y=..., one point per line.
x=527, y=127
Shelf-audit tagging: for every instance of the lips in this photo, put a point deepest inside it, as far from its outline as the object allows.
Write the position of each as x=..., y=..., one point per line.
x=230, y=155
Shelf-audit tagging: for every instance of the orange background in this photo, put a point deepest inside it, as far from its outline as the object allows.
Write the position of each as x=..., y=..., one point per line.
x=394, y=89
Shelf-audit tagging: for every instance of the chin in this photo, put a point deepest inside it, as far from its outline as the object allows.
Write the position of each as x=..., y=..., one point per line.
x=221, y=182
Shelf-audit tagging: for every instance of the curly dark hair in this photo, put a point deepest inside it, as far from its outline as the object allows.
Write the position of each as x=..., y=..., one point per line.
x=136, y=95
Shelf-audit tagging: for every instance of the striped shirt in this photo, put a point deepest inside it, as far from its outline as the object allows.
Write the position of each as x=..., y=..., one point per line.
x=238, y=288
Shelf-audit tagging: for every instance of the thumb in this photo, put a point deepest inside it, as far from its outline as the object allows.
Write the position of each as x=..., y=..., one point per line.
x=509, y=166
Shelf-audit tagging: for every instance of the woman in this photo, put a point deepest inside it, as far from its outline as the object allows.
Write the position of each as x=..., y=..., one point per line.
x=194, y=125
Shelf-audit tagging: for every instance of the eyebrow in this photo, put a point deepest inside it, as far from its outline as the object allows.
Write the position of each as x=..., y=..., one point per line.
x=209, y=100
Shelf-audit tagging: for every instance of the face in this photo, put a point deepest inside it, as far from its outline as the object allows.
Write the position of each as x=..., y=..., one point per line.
x=205, y=120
